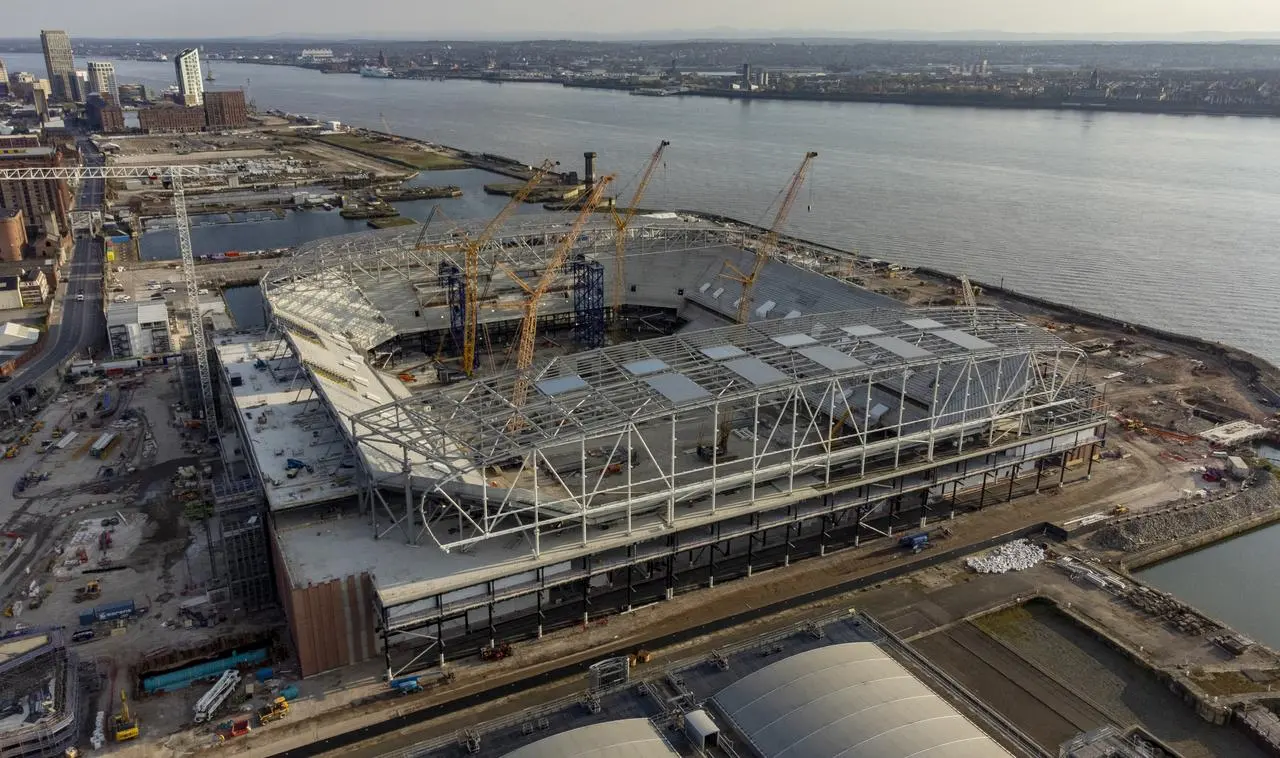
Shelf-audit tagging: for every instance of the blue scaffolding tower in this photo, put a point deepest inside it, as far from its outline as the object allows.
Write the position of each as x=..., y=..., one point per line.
x=588, y=302
x=456, y=287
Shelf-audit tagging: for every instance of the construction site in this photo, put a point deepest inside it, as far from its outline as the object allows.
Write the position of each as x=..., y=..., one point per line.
x=461, y=452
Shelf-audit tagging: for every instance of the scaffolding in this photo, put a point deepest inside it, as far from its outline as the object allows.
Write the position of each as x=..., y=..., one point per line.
x=456, y=289
x=588, y=302
x=238, y=551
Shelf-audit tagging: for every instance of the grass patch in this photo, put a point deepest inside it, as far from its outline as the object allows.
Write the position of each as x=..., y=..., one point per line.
x=387, y=223
x=1225, y=683
x=1008, y=624
x=406, y=153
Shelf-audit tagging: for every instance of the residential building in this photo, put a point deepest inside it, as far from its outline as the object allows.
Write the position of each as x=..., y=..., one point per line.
x=80, y=86
x=45, y=203
x=225, y=109
x=138, y=330
x=104, y=116
x=4, y=79
x=60, y=62
x=190, y=80
x=171, y=118
x=102, y=79
x=133, y=94
x=13, y=234
x=40, y=97
x=23, y=286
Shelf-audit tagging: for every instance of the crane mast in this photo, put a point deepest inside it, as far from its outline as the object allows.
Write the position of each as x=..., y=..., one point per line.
x=621, y=221
x=471, y=264
x=529, y=324
x=770, y=241
x=174, y=175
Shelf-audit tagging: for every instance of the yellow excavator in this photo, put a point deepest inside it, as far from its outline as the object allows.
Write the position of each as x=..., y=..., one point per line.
x=126, y=726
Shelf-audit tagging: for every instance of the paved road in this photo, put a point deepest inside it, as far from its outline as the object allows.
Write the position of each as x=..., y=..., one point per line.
x=82, y=322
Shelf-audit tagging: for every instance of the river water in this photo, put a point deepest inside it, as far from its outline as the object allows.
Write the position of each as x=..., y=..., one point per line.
x=1164, y=220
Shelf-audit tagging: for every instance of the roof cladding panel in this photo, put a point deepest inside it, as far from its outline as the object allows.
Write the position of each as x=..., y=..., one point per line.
x=830, y=358
x=964, y=339
x=850, y=700
x=677, y=388
x=756, y=371
x=900, y=347
x=626, y=738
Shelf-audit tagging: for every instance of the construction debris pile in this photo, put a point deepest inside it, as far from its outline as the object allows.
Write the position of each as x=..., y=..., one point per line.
x=1018, y=555
x=1187, y=519
x=1165, y=606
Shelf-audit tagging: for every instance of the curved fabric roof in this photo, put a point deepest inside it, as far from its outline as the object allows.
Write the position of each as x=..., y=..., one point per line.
x=851, y=701
x=627, y=738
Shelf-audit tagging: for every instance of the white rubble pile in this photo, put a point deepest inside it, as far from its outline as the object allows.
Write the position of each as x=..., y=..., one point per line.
x=1018, y=555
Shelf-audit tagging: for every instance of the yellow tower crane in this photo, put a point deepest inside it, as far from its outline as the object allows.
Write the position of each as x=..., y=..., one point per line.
x=621, y=221
x=767, y=245
x=471, y=262
x=529, y=324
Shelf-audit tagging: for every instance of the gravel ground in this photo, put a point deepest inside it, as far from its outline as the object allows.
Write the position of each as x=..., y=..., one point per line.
x=1123, y=690
x=1193, y=518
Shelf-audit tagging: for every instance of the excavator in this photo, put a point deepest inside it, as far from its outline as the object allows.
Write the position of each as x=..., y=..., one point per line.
x=126, y=726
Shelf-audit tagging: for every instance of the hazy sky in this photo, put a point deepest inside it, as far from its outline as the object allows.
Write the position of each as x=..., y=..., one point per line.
x=453, y=18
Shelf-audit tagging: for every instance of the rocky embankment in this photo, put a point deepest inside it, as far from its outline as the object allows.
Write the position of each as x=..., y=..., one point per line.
x=1189, y=519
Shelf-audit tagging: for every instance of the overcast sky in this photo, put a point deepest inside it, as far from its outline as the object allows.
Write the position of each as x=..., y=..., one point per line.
x=409, y=19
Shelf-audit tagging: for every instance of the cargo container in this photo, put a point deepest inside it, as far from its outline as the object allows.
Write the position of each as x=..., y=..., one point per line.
x=87, y=618
x=104, y=444
x=114, y=611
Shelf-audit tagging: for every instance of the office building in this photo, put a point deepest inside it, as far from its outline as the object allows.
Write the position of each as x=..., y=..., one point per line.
x=190, y=80
x=133, y=94
x=171, y=118
x=60, y=62
x=138, y=330
x=4, y=79
x=225, y=109
x=22, y=286
x=102, y=79
x=45, y=203
x=80, y=86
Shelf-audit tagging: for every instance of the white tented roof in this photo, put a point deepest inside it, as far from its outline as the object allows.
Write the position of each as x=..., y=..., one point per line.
x=628, y=738
x=852, y=701
x=17, y=335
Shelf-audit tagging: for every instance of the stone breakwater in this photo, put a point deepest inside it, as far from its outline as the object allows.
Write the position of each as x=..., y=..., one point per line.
x=1190, y=519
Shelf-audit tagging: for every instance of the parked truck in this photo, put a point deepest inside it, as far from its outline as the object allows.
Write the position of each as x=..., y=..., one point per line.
x=211, y=701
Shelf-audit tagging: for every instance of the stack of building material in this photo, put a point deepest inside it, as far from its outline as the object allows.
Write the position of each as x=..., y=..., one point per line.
x=1018, y=555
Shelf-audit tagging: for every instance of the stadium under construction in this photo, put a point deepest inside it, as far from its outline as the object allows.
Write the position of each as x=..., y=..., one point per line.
x=659, y=442
x=41, y=693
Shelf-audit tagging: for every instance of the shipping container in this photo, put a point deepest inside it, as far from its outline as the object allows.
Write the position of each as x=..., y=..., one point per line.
x=103, y=445
x=87, y=618
x=113, y=611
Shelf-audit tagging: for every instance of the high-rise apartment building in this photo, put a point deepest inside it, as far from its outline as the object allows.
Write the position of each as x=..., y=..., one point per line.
x=4, y=79
x=190, y=80
x=102, y=79
x=45, y=203
x=60, y=62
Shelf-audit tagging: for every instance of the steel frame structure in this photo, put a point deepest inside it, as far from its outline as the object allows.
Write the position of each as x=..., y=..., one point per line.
x=175, y=176
x=808, y=428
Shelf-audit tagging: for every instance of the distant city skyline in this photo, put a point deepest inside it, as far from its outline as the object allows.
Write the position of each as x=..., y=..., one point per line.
x=403, y=19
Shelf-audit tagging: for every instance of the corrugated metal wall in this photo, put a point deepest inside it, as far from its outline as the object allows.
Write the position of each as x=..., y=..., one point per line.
x=331, y=624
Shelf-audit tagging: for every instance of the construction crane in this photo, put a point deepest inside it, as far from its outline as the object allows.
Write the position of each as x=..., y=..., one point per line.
x=174, y=177
x=767, y=245
x=126, y=727
x=471, y=264
x=529, y=325
x=621, y=221
x=970, y=299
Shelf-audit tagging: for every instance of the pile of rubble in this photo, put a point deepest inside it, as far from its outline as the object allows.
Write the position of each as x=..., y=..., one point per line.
x=1189, y=519
x=1018, y=555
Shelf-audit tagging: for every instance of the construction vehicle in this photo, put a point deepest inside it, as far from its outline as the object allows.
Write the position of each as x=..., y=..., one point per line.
x=1119, y=510
x=91, y=591
x=406, y=685
x=217, y=695
x=125, y=726
x=471, y=264
x=57, y=432
x=12, y=452
x=496, y=652
x=231, y=729
x=639, y=656
x=529, y=324
x=273, y=711
x=914, y=542
x=621, y=221
x=764, y=251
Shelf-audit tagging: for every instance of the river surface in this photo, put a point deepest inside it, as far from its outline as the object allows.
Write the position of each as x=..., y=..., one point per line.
x=1164, y=220
x=1233, y=581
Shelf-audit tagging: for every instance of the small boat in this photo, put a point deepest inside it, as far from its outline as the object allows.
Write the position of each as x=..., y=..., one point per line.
x=327, y=206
